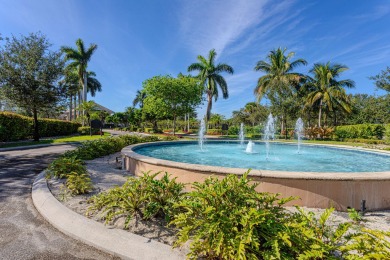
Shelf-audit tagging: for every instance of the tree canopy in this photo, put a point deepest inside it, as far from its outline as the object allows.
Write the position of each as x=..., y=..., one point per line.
x=168, y=97
x=29, y=73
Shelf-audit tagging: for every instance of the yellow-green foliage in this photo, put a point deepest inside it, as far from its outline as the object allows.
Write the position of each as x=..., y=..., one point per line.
x=16, y=127
x=146, y=196
x=61, y=167
x=79, y=183
x=366, y=131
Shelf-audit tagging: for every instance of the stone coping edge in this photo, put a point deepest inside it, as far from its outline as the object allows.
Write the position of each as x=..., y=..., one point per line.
x=111, y=240
x=130, y=151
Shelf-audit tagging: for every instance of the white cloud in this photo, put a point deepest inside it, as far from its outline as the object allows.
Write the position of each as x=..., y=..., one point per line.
x=216, y=24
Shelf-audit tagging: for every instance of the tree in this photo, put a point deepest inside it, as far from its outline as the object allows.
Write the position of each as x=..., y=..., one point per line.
x=88, y=107
x=29, y=72
x=326, y=90
x=168, y=97
x=139, y=99
x=279, y=82
x=79, y=60
x=209, y=75
x=382, y=80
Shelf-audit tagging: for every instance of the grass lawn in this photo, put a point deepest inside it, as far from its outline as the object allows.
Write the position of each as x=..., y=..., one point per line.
x=67, y=139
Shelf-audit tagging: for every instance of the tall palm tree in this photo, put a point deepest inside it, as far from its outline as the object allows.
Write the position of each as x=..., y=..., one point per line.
x=279, y=81
x=209, y=75
x=279, y=73
x=139, y=98
x=80, y=58
x=326, y=90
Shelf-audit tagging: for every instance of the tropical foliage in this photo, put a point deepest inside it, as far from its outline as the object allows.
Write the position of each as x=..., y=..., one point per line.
x=209, y=75
x=326, y=91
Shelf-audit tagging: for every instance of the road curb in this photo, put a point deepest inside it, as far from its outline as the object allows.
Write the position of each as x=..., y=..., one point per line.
x=113, y=241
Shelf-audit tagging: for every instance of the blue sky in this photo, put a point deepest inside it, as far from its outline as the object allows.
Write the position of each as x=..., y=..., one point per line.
x=140, y=39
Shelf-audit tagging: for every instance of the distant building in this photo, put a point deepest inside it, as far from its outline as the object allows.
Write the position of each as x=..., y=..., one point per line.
x=65, y=115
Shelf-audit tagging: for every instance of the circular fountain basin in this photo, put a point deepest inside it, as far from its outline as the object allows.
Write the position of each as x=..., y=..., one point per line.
x=321, y=176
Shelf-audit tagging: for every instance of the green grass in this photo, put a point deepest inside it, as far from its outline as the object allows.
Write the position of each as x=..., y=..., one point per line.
x=68, y=139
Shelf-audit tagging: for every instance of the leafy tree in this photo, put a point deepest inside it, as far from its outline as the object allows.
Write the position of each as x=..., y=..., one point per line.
x=216, y=120
x=279, y=82
x=369, y=109
x=79, y=60
x=382, y=80
x=209, y=75
x=326, y=90
x=88, y=107
x=29, y=72
x=168, y=97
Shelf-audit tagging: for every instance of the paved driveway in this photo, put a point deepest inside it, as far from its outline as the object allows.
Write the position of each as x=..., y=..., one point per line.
x=24, y=234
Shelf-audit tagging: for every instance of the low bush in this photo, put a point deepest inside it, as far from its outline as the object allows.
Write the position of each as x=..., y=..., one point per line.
x=61, y=167
x=214, y=131
x=228, y=219
x=17, y=127
x=86, y=130
x=365, y=131
x=78, y=183
x=145, y=196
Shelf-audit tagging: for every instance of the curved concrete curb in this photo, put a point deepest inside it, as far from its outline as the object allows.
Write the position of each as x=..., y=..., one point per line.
x=113, y=241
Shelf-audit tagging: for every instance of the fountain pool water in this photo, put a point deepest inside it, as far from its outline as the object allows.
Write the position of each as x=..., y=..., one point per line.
x=299, y=130
x=269, y=133
x=314, y=158
x=241, y=135
x=202, y=132
x=249, y=147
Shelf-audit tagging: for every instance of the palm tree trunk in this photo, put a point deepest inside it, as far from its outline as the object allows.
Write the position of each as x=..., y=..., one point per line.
x=209, y=105
x=84, y=92
x=319, y=115
x=74, y=107
x=70, y=107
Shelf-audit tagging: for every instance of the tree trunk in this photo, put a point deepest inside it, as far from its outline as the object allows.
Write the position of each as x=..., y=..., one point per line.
x=319, y=115
x=84, y=93
x=209, y=105
x=188, y=122
x=285, y=124
x=174, y=124
x=36, y=128
x=155, y=127
x=74, y=107
x=70, y=108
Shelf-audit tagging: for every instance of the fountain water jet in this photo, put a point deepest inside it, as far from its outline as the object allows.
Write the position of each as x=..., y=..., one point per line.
x=202, y=132
x=249, y=147
x=299, y=130
x=241, y=136
x=269, y=133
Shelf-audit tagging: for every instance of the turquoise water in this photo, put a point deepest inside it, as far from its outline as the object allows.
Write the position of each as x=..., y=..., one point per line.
x=283, y=157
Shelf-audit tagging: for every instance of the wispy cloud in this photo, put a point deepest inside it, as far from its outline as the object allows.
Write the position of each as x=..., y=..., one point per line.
x=216, y=24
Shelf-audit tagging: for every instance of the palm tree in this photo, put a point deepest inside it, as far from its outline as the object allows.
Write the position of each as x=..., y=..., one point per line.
x=80, y=58
x=139, y=98
x=279, y=81
x=326, y=90
x=209, y=75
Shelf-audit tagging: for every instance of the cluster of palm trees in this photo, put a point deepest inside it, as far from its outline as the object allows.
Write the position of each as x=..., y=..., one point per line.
x=320, y=90
x=78, y=81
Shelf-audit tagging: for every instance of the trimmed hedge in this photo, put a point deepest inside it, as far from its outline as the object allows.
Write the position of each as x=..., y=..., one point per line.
x=15, y=127
x=364, y=131
x=85, y=130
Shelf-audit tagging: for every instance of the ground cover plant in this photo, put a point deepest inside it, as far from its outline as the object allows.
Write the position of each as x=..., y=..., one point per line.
x=146, y=197
x=70, y=165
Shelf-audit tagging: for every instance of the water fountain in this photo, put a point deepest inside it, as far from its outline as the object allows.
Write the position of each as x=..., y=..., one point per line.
x=241, y=135
x=299, y=130
x=249, y=147
x=202, y=132
x=269, y=133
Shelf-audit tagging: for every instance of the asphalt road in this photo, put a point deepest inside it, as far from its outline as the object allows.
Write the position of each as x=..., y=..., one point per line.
x=24, y=234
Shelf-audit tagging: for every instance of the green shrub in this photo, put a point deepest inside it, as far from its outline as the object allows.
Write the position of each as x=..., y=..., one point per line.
x=214, y=131
x=228, y=219
x=233, y=130
x=387, y=132
x=14, y=127
x=79, y=183
x=17, y=127
x=61, y=167
x=85, y=130
x=365, y=131
x=145, y=196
